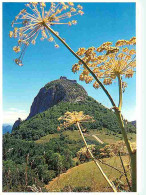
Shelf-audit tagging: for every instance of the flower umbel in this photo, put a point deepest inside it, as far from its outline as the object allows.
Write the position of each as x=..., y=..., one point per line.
x=108, y=62
x=28, y=24
x=71, y=118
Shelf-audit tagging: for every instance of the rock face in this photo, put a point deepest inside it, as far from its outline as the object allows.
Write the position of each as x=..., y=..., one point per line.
x=17, y=123
x=56, y=91
x=133, y=123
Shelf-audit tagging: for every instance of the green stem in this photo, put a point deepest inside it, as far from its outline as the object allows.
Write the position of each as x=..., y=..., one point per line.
x=94, y=76
x=119, y=116
x=97, y=164
x=120, y=92
x=131, y=154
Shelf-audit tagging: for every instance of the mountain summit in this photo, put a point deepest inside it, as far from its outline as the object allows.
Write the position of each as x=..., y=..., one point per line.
x=57, y=91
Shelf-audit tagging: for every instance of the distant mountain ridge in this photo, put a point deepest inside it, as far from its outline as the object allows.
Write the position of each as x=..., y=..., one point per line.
x=6, y=128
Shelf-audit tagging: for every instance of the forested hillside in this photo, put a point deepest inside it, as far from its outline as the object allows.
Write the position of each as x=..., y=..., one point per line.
x=47, y=121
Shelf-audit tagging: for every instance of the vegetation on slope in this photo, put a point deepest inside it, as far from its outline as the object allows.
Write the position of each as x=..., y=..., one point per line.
x=47, y=122
x=41, y=162
x=86, y=177
x=47, y=157
x=105, y=135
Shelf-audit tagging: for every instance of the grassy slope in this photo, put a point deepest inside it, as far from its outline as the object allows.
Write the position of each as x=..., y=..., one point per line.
x=87, y=175
x=104, y=135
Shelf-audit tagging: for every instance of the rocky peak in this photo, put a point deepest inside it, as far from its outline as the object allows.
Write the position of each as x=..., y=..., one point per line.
x=17, y=123
x=65, y=78
x=56, y=91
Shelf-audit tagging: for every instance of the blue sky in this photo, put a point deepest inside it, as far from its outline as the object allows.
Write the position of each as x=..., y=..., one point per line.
x=43, y=63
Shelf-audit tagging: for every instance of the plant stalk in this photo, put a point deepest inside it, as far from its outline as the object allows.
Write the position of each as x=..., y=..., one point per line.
x=108, y=95
x=125, y=172
x=120, y=92
x=93, y=158
x=111, y=166
x=132, y=154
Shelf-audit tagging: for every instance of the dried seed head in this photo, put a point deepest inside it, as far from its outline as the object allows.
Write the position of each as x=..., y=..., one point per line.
x=29, y=23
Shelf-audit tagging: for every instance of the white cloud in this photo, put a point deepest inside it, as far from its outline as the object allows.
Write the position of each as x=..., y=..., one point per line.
x=13, y=109
x=12, y=114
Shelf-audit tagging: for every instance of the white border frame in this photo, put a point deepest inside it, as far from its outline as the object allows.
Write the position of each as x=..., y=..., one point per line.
x=139, y=100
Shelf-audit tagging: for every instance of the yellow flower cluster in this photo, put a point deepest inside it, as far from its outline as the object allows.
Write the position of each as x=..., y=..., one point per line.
x=33, y=22
x=70, y=118
x=132, y=41
x=107, y=62
x=16, y=49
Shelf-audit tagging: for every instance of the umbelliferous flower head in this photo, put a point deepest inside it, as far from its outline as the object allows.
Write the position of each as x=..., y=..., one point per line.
x=108, y=62
x=29, y=24
x=71, y=118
